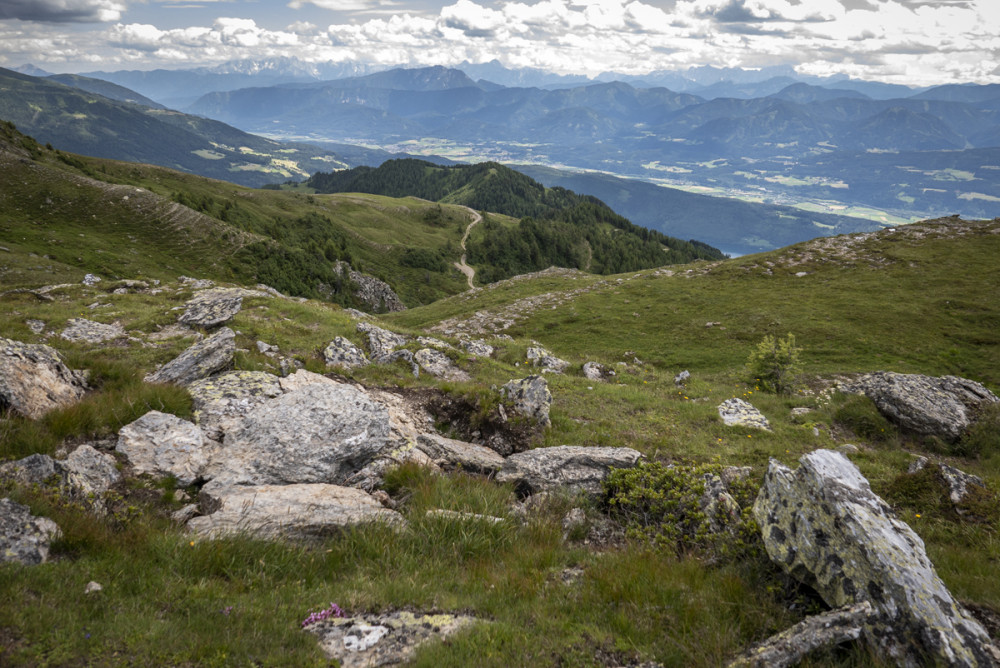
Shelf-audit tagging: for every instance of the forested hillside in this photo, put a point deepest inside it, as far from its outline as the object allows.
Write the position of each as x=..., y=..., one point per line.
x=557, y=227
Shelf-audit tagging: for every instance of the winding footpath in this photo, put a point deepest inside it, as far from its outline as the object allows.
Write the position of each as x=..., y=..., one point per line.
x=469, y=272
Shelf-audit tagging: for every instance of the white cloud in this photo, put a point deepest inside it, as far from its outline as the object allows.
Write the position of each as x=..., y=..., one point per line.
x=899, y=40
x=62, y=11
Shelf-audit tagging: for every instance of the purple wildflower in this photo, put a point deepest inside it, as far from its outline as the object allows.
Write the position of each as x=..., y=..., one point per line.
x=333, y=611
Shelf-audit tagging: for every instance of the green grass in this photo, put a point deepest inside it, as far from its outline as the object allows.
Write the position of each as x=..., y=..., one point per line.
x=929, y=306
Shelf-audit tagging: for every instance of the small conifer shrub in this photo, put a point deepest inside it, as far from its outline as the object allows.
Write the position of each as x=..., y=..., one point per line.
x=774, y=365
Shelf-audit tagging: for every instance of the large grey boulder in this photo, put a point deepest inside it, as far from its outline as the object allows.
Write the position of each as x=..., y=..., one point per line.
x=210, y=308
x=943, y=407
x=286, y=511
x=530, y=397
x=381, y=342
x=161, y=444
x=320, y=433
x=88, y=331
x=343, y=353
x=451, y=454
x=34, y=379
x=573, y=468
x=738, y=413
x=24, y=538
x=824, y=526
x=221, y=402
x=209, y=356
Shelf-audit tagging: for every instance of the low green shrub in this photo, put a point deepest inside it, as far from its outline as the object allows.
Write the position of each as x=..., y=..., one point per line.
x=774, y=366
x=664, y=504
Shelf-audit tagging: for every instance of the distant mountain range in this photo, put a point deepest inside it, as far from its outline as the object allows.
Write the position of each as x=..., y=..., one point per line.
x=753, y=144
x=97, y=118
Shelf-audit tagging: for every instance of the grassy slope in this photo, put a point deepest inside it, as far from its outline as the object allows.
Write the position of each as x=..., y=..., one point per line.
x=85, y=122
x=64, y=215
x=902, y=303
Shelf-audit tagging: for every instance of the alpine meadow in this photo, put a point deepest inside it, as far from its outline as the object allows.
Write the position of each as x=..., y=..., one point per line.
x=502, y=334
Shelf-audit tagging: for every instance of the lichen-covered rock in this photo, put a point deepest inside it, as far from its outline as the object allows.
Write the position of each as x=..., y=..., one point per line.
x=299, y=511
x=540, y=357
x=439, y=365
x=161, y=444
x=24, y=538
x=88, y=331
x=302, y=378
x=34, y=379
x=208, y=356
x=452, y=454
x=573, y=468
x=377, y=294
x=478, y=347
x=320, y=433
x=596, y=371
x=33, y=470
x=943, y=407
x=381, y=342
x=343, y=353
x=958, y=482
x=824, y=526
x=220, y=402
x=738, y=413
x=90, y=472
x=383, y=640
x=681, y=379
x=431, y=342
x=210, y=308
x=195, y=283
x=530, y=397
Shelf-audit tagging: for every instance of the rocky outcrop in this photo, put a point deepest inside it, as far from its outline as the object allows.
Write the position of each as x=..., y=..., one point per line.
x=211, y=308
x=34, y=379
x=89, y=472
x=299, y=511
x=160, y=444
x=387, y=639
x=789, y=647
x=343, y=353
x=209, y=356
x=958, y=482
x=86, y=473
x=596, y=371
x=540, y=357
x=439, y=365
x=24, y=538
x=824, y=526
x=88, y=331
x=944, y=407
x=221, y=402
x=478, y=347
x=377, y=294
x=450, y=454
x=738, y=413
x=573, y=468
x=320, y=433
x=530, y=398
x=381, y=342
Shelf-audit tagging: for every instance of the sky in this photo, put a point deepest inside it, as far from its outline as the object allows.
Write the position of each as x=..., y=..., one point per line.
x=913, y=42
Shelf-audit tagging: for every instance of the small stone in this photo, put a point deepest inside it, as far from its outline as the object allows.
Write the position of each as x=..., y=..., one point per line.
x=91, y=279
x=848, y=449
x=36, y=326
x=92, y=588
x=738, y=413
x=681, y=379
x=24, y=538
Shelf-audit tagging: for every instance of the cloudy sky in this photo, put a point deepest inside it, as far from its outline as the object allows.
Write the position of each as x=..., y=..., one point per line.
x=904, y=41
